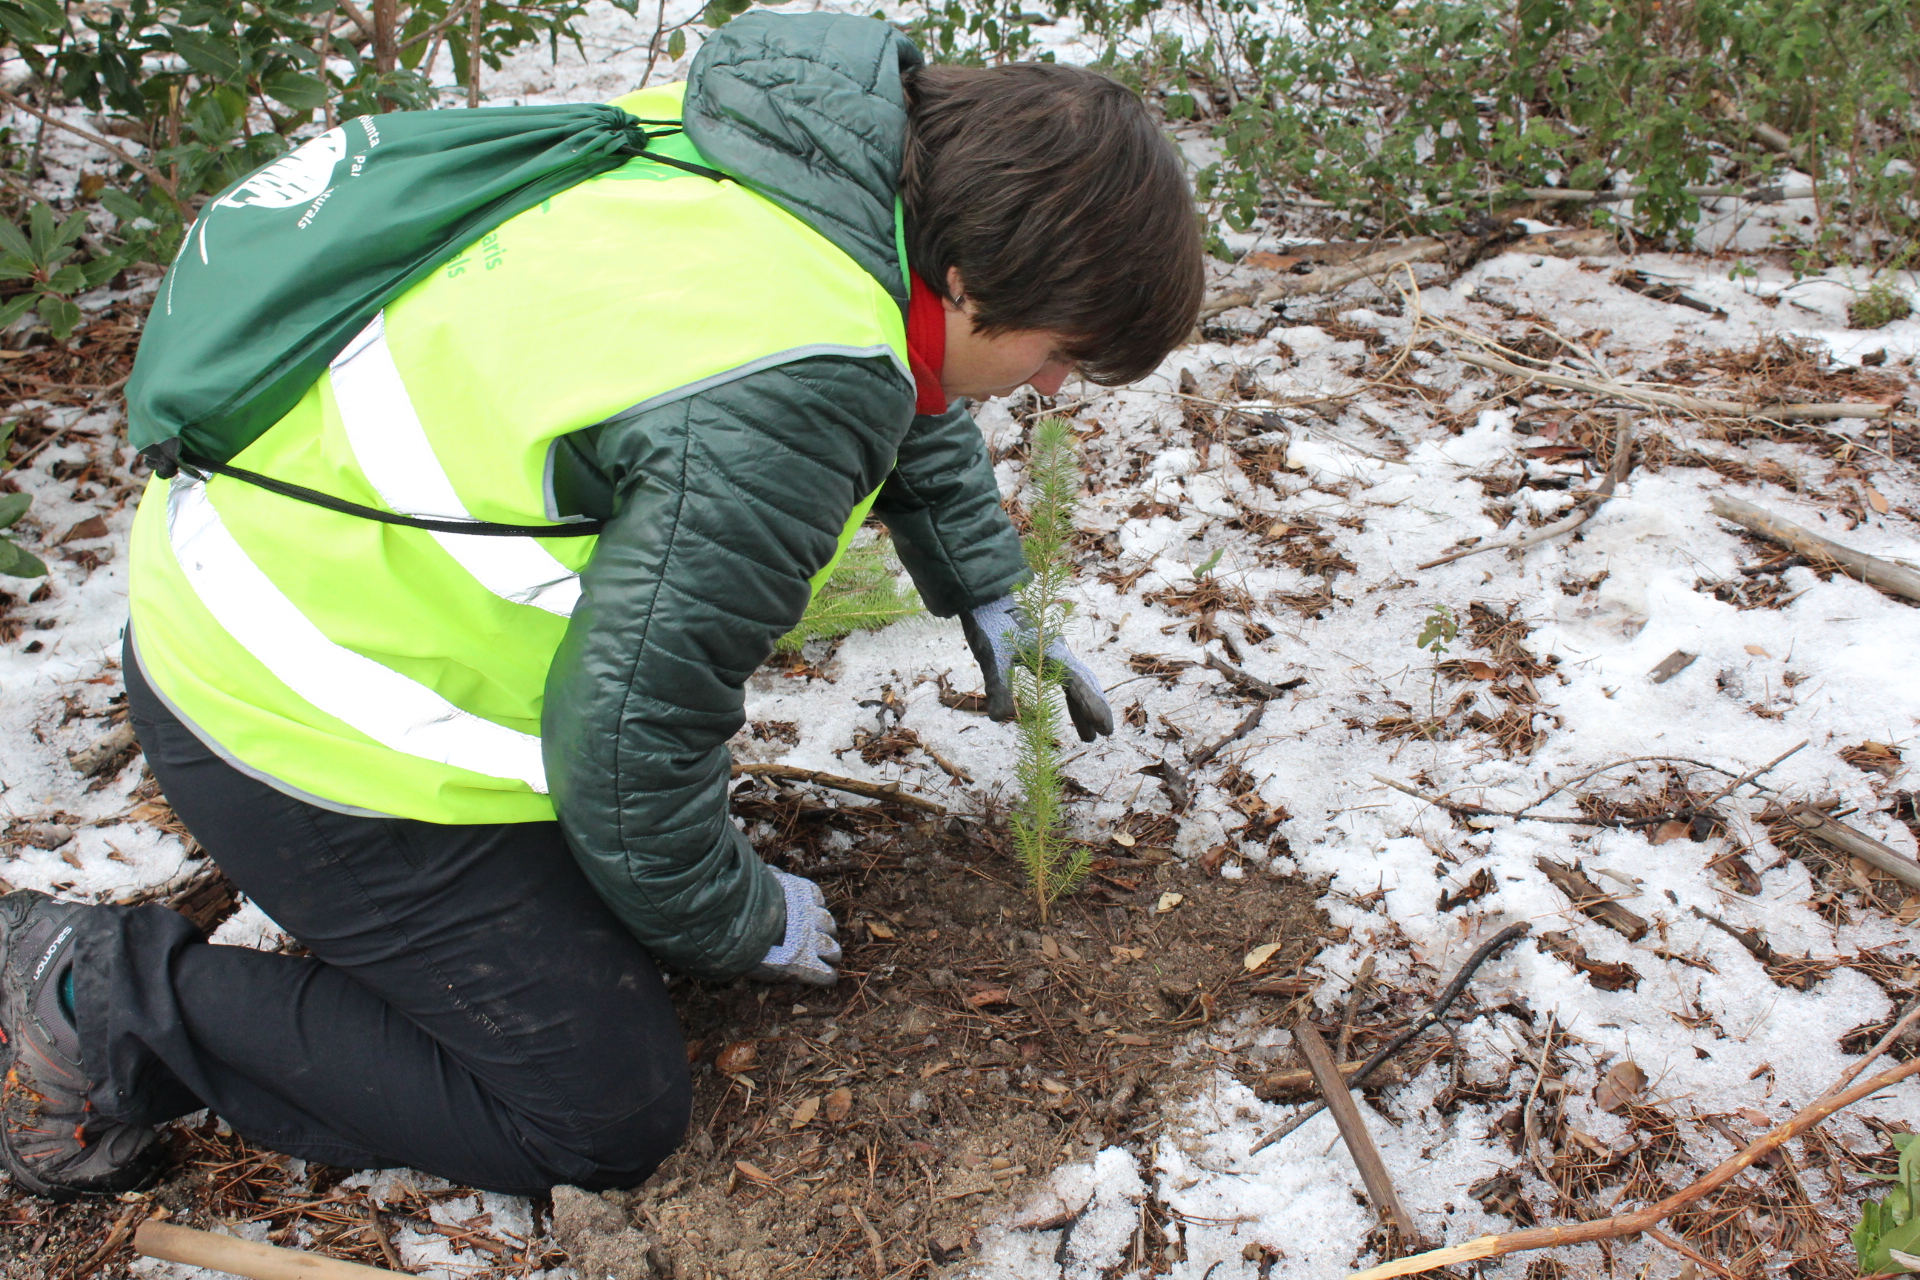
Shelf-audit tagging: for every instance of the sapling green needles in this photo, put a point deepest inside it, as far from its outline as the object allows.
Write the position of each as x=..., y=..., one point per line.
x=863, y=594
x=1054, y=864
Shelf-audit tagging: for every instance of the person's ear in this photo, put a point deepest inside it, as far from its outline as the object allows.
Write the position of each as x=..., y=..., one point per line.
x=956, y=295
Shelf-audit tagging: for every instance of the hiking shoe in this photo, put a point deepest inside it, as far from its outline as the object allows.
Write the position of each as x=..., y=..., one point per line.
x=51, y=1139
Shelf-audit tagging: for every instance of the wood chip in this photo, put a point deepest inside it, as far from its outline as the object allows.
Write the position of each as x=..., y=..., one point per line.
x=1591, y=900
x=879, y=929
x=1168, y=901
x=991, y=995
x=1671, y=665
x=839, y=1105
x=752, y=1173
x=1260, y=955
x=1757, y=651
x=804, y=1113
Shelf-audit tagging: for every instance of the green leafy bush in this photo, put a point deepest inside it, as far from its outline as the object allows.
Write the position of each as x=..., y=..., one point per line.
x=1891, y=1225
x=863, y=594
x=39, y=255
x=1053, y=863
x=1398, y=115
x=15, y=561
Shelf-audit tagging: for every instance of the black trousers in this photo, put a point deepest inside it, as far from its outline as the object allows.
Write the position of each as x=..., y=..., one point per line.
x=470, y=1007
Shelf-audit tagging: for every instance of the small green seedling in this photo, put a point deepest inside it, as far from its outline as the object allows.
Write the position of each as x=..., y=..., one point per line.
x=16, y=562
x=1054, y=864
x=1206, y=568
x=1888, y=1237
x=1441, y=630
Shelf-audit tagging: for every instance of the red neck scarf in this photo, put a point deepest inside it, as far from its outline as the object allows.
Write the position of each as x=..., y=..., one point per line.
x=926, y=346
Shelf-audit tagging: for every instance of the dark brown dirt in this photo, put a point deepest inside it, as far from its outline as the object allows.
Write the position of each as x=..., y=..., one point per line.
x=867, y=1129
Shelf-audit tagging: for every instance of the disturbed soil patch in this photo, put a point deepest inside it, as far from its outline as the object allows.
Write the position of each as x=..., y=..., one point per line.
x=872, y=1128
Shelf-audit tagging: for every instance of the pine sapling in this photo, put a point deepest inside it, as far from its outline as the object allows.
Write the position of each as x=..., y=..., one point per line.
x=1054, y=865
x=862, y=594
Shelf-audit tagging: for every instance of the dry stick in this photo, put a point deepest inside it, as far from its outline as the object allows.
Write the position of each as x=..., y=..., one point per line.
x=1691, y=1255
x=1694, y=405
x=871, y=790
x=1894, y=1032
x=1859, y=844
x=1246, y=726
x=1452, y=992
x=1353, y=1131
x=153, y=175
x=1627, y=1224
x=1327, y=279
x=1250, y=684
x=1584, y=507
x=244, y=1257
x=1894, y=579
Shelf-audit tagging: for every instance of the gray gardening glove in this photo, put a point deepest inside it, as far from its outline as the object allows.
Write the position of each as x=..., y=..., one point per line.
x=1000, y=635
x=810, y=950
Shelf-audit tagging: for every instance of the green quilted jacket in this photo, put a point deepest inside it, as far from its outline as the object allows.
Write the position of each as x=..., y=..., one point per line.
x=719, y=502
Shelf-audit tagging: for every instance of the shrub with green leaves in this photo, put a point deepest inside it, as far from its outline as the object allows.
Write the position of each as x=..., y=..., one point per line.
x=1396, y=115
x=39, y=255
x=1888, y=1237
x=863, y=594
x=1054, y=864
x=16, y=561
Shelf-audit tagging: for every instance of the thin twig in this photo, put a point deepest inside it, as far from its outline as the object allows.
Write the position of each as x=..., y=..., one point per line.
x=1894, y=1032
x=1452, y=992
x=1527, y=1134
x=1695, y=405
x=1246, y=726
x=153, y=175
x=1634, y=1223
x=1251, y=684
x=854, y=786
x=1584, y=506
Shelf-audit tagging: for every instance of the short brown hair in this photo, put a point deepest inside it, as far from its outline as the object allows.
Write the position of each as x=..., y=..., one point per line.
x=1063, y=205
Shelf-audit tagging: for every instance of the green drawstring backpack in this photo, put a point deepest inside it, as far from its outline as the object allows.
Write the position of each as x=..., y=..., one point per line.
x=280, y=271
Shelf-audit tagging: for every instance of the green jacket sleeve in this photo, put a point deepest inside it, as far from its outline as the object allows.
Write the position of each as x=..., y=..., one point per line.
x=943, y=508
x=724, y=504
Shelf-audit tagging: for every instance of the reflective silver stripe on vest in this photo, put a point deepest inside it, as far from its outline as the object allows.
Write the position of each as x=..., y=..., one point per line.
x=394, y=711
x=392, y=449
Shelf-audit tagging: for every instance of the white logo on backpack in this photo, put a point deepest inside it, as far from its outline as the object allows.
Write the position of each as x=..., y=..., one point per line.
x=303, y=176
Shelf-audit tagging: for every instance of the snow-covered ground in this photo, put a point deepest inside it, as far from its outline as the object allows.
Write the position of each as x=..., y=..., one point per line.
x=1389, y=480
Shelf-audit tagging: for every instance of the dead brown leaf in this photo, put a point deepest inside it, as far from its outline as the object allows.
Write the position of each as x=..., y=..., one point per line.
x=1622, y=1085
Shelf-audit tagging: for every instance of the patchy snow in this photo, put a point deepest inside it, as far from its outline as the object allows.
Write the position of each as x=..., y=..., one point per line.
x=1389, y=479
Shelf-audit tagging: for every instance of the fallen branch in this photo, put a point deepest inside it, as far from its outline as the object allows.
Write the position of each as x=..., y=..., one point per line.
x=1858, y=844
x=1591, y=900
x=1327, y=279
x=152, y=174
x=1627, y=1224
x=1695, y=405
x=1752, y=195
x=871, y=790
x=244, y=1257
x=1353, y=1131
x=1525, y=812
x=1584, y=507
x=1894, y=579
x=1249, y=684
x=1246, y=726
x=1488, y=949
